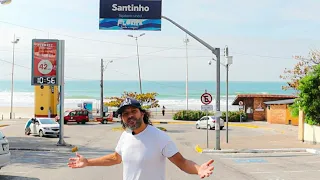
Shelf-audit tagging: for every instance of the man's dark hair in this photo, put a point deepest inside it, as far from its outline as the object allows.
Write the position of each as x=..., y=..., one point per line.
x=146, y=118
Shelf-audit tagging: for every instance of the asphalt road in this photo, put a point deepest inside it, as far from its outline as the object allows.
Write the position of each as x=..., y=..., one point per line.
x=95, y=140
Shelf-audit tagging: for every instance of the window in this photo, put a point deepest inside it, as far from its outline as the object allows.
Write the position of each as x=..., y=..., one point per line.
x=47, y=121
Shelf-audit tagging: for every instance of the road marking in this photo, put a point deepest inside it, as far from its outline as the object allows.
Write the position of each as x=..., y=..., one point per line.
x=13, y=172
x=274, y=172
x=312, y=162
x=250, y=160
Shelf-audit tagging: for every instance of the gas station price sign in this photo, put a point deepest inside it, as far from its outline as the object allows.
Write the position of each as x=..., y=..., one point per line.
x=45, y=54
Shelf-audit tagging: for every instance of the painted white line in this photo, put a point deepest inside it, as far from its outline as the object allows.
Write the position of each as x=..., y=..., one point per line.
x=246, y=164
x=276, y=172
x=312, y=162
x=13, y=172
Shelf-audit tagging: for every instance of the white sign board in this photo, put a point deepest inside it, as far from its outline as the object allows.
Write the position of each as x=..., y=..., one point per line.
x=206, y=107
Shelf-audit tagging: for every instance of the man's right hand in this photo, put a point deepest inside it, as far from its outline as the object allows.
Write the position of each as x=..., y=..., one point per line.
x=78, y=162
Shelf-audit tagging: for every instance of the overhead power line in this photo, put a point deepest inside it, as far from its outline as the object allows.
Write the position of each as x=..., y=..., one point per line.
x=88, y=39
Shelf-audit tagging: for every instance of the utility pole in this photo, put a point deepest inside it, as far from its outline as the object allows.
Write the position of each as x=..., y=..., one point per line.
x=229, y=61
x=101, y=90
x=217, y=125
x=14, y=42
x=187, y=72
x=226, y=55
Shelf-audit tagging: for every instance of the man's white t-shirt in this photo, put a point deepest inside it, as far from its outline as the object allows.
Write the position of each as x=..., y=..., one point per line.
x=144, y=155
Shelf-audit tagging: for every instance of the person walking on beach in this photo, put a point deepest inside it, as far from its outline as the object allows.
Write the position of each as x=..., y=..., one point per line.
x=143, y=149
x=163, y=110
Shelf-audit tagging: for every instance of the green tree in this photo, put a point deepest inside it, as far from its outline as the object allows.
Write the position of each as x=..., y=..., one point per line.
x=148, y=100
x=300, y=70
x=309, y=96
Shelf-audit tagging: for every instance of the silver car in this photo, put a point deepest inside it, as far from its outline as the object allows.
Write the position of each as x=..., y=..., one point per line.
x=4, y=151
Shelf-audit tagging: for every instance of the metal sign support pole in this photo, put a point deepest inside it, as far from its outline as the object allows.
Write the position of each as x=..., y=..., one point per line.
x=207, y=129
x=61, y=87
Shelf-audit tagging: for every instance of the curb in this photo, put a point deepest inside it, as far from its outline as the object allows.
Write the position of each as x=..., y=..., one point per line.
x=313, y=151
x=39, y=149
x=161, y=122
x=253, y=151
x=69, y=149
x=198, y=149
x=164, y=122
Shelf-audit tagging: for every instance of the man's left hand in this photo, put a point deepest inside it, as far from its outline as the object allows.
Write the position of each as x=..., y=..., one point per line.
x=205, y=170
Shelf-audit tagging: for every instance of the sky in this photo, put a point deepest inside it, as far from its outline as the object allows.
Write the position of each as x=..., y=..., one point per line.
x=262, y=37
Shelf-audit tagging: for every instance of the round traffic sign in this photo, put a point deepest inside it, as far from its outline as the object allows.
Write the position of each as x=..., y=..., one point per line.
x=45, y=67
x=206, y=98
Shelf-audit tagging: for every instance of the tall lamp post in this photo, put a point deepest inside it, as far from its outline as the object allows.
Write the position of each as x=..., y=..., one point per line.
x=136, y=38
x=103, y=68
x=14, y=42
x=229, y=61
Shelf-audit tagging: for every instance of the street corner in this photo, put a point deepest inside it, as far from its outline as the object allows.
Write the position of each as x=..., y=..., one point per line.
x=198, y=149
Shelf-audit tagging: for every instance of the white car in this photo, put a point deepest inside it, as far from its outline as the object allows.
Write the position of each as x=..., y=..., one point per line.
x=4, y=151
x=42, y=127
x=209, y=122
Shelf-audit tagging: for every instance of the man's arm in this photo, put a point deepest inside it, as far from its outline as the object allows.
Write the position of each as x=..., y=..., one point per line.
x=108, y=160
x=185, y=165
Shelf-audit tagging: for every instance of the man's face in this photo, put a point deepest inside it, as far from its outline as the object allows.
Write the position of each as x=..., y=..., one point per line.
x=132, y=117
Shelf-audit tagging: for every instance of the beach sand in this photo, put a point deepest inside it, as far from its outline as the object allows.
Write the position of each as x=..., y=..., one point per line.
x=18, y=112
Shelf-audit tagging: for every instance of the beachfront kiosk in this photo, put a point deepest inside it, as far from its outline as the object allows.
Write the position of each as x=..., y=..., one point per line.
x=254, y=104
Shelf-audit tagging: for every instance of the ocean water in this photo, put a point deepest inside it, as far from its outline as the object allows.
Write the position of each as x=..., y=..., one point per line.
x=171, y=94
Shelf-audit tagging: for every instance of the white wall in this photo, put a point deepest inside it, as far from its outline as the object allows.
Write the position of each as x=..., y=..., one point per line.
x=312, y=134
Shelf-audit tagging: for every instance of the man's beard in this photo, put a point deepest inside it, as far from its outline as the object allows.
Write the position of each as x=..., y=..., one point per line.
x=133, y=123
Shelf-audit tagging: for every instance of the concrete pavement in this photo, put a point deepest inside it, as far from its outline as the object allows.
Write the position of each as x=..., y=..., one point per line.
x=95, y=140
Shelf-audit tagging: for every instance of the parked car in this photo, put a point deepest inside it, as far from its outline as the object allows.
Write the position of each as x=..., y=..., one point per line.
x=42, y=127
x=209, y=122
x=5, y=154
x=108, y=118
x=77, y=115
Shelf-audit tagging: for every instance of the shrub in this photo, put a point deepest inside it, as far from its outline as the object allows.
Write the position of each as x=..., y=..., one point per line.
x=192, y=115
x=189, y=115
x=309, y=96
x=234, y=116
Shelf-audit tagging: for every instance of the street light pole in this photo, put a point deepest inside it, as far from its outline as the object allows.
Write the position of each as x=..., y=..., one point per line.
x=136, y=38
x=103, y=68
x=216, y=52
x=14, y=42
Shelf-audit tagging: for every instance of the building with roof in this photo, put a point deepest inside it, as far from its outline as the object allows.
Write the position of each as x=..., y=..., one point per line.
x=254, y=104
x=278, y=112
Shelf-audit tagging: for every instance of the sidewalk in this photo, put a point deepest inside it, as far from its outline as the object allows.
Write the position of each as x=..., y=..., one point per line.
x=37, y=144
x=260, y=137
